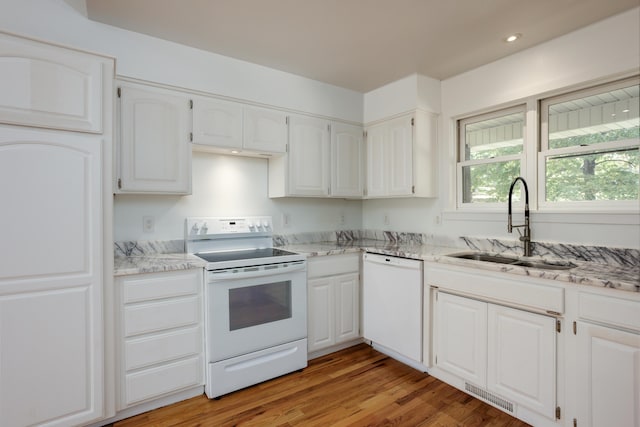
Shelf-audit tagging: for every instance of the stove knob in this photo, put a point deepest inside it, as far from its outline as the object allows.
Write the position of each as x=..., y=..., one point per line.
x=204, y=229
x=265, y=225
x=194, y=228
x=251, y=226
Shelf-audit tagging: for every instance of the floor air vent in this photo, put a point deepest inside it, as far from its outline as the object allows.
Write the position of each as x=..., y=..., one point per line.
x=489, y=397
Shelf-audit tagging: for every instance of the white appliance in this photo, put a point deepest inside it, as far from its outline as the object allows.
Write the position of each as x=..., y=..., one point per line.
x=255, y=302
x=392, y=304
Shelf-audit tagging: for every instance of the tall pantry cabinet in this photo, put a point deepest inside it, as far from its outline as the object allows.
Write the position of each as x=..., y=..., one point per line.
x=56, y=236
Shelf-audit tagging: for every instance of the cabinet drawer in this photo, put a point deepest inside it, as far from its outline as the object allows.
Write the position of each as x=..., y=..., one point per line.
x=155, y=382
x=151, y=317
x=333, y=264
x=146, y=351
x=163, y=285
x=619, y=312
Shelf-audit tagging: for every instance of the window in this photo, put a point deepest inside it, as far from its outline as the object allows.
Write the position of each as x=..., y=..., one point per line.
x=588, y=152
x=589, y=147
x=491, y=149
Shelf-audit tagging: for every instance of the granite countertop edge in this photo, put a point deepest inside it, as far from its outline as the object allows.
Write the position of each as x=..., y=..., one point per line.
x=585, y=273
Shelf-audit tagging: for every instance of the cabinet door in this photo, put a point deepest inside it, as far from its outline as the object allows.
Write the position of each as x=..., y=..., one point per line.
x=154, y=149
x=346, y=160
x=347, y=313
x=321, y=314
x=609, y=376
x=265, y=131
x=461, y=337
x=49, y=86
x=217, y=123
x=51, y=280
x=308, y=157
x=400, y=154
x=522, y=358
x=377, y=170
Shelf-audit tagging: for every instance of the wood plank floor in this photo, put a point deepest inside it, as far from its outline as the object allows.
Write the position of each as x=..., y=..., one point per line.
x=354, y=387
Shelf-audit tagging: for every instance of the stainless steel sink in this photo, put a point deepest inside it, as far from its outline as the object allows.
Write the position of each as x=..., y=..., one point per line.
x=502, y=259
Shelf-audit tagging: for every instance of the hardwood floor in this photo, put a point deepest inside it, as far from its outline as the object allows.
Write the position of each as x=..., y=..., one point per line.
x=354, y=387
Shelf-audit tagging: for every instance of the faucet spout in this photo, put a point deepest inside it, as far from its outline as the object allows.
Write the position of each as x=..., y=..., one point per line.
x=526, y=236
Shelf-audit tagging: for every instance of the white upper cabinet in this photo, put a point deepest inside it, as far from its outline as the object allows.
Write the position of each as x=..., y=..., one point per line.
x=304, y=171
x=346, y=160
x=265, y=131
x=49, y=86
x=154, y=154
x=217, y=123
x=401, y=157
x=233, y=128
x=324, y=159
x=308, y=156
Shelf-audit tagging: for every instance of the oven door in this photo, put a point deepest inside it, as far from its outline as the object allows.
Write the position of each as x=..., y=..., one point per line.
x=254, y=309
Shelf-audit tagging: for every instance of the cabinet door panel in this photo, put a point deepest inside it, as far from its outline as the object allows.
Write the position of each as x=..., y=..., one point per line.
x=400, y=157
x=48, y=340
x=346, y=160
x=609, y=376
x=155, y=154
x=308, y=157
x=217, y=123
x=265, y=131
x=347, y=307
x=521, y=355
x=461, y=337
x=321, y=308
x=377, y=170
x=49, y=86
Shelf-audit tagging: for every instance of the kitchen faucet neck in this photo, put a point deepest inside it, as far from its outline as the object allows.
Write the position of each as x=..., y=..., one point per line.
x=526, y=236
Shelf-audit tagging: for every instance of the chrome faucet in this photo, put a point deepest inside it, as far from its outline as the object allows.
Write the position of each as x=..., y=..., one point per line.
x=526, y=237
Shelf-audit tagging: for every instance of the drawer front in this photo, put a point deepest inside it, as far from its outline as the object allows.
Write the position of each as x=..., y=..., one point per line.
x=333, y=264
x=164, y=285
x=156, y=382
x=152, y=317
x=619, y=312
x=151, y=350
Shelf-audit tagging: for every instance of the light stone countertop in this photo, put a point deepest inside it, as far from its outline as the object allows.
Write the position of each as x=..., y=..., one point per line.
x=154, y=263
x=585, y=273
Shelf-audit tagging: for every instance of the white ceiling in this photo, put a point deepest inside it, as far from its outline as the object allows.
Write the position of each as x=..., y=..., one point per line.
x=357, y=44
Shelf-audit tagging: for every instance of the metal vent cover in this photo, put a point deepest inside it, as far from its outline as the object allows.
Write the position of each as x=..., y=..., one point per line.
x=489, y=397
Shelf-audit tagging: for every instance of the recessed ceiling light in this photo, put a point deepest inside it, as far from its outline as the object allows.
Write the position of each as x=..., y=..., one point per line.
x=512, y=37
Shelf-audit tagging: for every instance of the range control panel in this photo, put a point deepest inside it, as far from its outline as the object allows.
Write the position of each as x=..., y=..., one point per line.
x=209, y=227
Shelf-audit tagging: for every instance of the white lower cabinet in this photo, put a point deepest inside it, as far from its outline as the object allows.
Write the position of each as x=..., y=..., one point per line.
x=504, y=354
x=160, y=335
x=608, y=361
x=333, y=300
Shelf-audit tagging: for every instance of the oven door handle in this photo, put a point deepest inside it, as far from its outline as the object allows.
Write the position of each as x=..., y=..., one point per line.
x=248, y=272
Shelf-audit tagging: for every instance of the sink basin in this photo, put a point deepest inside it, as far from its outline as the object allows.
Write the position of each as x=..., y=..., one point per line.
x=498, y=259
x=502, y=259
x=545, y=265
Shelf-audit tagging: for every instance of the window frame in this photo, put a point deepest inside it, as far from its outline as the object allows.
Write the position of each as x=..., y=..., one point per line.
x=461, y=163
x=545, y=152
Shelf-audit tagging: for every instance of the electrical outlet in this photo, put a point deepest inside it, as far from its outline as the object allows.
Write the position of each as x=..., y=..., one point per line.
x=341, y=218
x=286, y=220
x=385, y=219
x=148, y=224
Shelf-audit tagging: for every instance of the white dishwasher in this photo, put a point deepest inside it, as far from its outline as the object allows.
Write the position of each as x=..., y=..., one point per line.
x=392, y=303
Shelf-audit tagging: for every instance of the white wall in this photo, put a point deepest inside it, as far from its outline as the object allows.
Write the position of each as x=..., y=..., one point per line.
x=228, y=186
x=604, y=50
x=404, y=95
x=149, y=58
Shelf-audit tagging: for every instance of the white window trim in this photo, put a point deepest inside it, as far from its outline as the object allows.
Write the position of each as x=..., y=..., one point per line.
x=461, y=163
